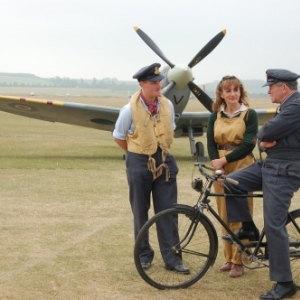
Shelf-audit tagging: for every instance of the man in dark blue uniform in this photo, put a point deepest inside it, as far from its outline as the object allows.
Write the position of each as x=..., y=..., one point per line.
x=145, y=129
x=278, y=176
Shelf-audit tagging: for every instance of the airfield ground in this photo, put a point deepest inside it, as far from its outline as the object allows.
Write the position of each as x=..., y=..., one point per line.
x=66, y=224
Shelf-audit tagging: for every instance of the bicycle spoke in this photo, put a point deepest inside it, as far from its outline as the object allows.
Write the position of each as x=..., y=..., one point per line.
x=194, y=253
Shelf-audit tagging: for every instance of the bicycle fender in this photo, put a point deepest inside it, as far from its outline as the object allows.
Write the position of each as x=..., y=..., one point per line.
x=192, y=209
x=184, y=206
x=207, y=220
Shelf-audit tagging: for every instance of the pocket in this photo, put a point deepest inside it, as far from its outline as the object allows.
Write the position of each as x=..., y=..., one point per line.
x=277, y=169
x=171, y=162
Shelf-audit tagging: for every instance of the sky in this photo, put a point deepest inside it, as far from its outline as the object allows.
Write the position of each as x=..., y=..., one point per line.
x=95, y=38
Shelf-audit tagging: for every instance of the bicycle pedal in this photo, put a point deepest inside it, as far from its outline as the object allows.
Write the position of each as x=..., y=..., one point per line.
x=254, y=264
x=228, y=238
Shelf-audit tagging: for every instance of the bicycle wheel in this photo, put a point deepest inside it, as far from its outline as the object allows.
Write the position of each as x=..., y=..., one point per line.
x=193, y=241
x=293, y=229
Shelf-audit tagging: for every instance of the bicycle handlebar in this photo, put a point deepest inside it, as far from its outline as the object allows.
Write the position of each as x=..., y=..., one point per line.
x=219, y=174
x=230, y=180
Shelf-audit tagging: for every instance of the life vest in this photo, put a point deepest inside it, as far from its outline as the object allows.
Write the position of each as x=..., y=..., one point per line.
x=150, y=131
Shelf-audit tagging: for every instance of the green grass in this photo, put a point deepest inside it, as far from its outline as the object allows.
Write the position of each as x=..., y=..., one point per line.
x=66, y=225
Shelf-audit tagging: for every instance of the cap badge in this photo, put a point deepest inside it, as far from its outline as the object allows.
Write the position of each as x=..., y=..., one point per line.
x=156, y=70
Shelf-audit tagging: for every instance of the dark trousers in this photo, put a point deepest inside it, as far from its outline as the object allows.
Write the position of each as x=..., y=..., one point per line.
x=278, y=179
x=164, y=195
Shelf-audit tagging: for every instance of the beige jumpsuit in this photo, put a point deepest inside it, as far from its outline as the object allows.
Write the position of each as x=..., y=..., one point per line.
x=230, y=131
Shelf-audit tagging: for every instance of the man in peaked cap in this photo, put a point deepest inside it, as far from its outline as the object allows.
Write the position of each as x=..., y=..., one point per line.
x=278, y=176
x=280, y=75
x=149, y=73
x=144, y=129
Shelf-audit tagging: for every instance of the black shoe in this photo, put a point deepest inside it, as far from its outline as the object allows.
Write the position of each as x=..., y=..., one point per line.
x=145, y=265
x=279, y=291
x=243, y=235
x=181, y=269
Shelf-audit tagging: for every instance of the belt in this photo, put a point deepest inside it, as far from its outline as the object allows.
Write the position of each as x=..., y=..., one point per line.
x=227, y=147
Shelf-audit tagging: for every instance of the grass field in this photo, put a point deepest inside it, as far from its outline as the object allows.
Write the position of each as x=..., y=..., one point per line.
x=66, y=225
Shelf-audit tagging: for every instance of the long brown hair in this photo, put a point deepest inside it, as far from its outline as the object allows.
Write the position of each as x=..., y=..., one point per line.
x=225, y=83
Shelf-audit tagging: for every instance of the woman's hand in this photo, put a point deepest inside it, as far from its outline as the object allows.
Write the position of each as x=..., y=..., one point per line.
x=218, y=163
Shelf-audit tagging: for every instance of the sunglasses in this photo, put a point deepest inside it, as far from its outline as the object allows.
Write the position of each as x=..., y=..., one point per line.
x=228, y=77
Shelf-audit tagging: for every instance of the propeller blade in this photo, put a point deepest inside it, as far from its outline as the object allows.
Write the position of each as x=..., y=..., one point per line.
x=210, y=46
x=152, y=45
x=167, y=88
x=201, y=96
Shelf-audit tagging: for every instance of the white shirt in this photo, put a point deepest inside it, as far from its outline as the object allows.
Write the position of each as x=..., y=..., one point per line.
x=242, y=108
x=125, y=124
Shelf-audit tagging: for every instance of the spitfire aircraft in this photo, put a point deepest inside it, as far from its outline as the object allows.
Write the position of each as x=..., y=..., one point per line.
x=177, y=86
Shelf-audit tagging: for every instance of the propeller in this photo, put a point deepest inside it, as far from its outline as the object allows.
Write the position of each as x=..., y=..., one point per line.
x=168, y=88
x=152, y=45
x=201, y=96
x=181, y=75
x=210, y=46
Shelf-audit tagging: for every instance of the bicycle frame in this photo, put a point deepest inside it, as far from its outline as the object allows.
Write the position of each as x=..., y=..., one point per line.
x=243, y=246
x=193, y=239
x=203, y=203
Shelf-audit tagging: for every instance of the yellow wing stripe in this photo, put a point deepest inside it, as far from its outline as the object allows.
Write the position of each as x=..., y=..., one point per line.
x=271, y=111
x=30, y=100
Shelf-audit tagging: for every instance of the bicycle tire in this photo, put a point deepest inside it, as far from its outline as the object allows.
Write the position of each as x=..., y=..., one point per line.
x=293, y=230
x=198, y=251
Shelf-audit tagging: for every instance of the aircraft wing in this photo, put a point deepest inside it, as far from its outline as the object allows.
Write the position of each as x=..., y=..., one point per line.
x=100, y=117
x=198, y=121
x=92, y=116
x=265, y=114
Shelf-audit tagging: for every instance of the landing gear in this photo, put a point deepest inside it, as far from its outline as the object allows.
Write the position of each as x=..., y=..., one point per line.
x=200, y=152
x=197, y=149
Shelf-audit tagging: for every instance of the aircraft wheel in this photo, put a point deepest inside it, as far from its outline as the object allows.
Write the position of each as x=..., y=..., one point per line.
x=200, y=152
x=199, y=149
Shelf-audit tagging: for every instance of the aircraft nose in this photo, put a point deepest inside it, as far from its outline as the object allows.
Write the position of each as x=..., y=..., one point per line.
x=181, y=74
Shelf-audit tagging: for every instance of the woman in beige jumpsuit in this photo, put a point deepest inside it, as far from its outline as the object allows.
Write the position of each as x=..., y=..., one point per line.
x=231, y=137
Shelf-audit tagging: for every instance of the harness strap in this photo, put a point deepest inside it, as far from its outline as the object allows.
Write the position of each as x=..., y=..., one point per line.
x=157, y=171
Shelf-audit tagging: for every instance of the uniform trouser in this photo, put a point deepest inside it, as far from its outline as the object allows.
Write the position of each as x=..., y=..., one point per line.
x=278, y=179
x=231, y=251
x=164, y=195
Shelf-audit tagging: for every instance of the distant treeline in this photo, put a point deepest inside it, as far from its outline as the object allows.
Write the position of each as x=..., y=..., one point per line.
x=30, y=80
x=254, y=87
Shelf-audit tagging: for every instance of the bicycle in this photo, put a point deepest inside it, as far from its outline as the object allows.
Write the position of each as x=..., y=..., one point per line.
x=196, y=240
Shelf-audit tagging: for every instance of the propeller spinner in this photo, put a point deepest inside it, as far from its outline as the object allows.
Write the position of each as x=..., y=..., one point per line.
x=181, y=75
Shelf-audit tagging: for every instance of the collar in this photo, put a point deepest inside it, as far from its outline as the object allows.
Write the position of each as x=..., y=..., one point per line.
x=278, y=109
x=242, y=108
